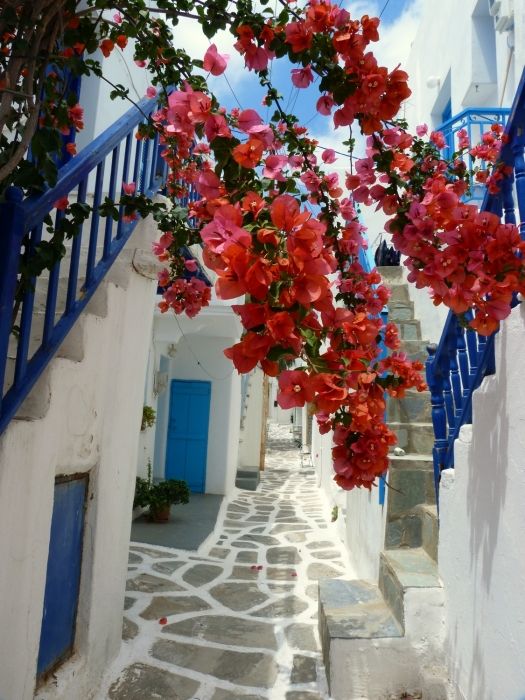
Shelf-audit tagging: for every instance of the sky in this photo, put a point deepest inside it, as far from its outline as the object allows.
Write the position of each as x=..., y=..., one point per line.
x=239, y=87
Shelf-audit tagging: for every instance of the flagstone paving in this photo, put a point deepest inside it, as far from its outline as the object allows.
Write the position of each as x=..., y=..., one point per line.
x=235, y=620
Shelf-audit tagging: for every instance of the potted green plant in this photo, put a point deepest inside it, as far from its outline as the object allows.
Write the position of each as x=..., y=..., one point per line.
x=159, y=497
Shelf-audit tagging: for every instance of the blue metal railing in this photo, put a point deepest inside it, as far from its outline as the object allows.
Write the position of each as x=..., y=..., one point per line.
x=476, y=122
x=53, y=303
x=457, y=366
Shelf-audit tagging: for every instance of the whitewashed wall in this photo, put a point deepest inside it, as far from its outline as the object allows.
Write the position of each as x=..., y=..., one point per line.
x=482, y=531
x=360, y=519
x=91, y=426
x=100, y=111
x=252, y=432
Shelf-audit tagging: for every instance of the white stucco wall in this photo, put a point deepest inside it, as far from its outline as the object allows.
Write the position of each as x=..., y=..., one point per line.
x=252, y=430
x=91, y=426
x=100, y=111
x=482, y=530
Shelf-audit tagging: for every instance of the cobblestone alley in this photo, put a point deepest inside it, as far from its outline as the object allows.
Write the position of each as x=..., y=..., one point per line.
x=235, y=620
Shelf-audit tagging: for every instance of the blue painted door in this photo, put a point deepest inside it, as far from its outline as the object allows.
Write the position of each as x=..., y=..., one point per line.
x=187, y=444
x=63, y=573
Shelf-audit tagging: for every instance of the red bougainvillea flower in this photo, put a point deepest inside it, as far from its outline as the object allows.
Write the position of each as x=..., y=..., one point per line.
x=295, y=389
x=249, y=351
x=61, y=203
x=248, y=154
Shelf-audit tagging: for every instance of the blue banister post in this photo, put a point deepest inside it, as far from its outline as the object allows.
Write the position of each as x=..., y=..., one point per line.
x=439, y=417
x=13, y=226
x=519, y=174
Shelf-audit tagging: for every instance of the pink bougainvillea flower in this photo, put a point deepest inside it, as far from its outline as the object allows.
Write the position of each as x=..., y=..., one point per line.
x=421, y=129
x=215, y=62
x=151, y=92
x=191, y=265
x=302, y=77
x=117, y=18
x=247, y=119
x=324, y=105
x=329, y=156
x=141, y=63
x=274, y=166
x=208, y=185
x=129, y=188
x=163, y=621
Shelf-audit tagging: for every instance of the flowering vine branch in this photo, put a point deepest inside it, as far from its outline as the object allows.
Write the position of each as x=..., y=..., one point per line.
x=277, y=227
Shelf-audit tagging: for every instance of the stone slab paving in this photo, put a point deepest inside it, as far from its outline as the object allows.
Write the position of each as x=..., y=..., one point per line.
x=236, y=620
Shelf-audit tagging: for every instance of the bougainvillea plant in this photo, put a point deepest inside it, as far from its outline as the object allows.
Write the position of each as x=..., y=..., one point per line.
x=277, y=227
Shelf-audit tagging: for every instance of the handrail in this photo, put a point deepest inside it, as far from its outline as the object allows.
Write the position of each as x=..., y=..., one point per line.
x=461, y=360
x=50, y=308
x=475, y=121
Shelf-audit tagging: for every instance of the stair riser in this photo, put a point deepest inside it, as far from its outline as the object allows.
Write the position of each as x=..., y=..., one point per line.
x=391, y=274
x=376, y=669
x=404, y=531
x=411, y=408
x=398, y=311
x=398, y=292
x=414, y=438
x=418, y=528
x=429, y=532
x=392, y=592
x=409, y=330
x=409, y=488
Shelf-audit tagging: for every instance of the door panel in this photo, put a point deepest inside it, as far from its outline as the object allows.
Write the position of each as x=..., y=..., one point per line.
x=187, y=443
x=63, y=573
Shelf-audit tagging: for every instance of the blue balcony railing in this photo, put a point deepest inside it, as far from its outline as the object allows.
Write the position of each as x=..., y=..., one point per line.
x=50, y=308
x=457, y=366
x=476, y=122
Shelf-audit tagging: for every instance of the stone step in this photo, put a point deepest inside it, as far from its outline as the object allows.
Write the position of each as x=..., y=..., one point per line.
x=415, y=349
x=412, y=437
x=401, y=570
x=409, y=488
x=354, y=610
x=398, y=292
x=391, y=274
x=365, y=652
x=413, y=407
x=412, y=461
x=416, y=527
x=409, y=330
x=248, y=478
x=400, y=311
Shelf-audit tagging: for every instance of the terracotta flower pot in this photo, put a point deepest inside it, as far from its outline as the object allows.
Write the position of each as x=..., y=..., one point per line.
x=160, y=515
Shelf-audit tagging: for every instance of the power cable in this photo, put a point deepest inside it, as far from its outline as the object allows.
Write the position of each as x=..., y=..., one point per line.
x=209, y=374
x=384, y=8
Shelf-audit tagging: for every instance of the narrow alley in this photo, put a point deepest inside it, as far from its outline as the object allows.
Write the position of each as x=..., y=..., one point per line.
x=236, y=619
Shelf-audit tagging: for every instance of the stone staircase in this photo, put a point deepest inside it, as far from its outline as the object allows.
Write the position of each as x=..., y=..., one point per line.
x=383, y=639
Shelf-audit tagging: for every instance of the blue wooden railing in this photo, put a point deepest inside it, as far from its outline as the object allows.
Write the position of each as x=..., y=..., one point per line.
x=475, y=122
x=457, y=366
x=51, y=307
